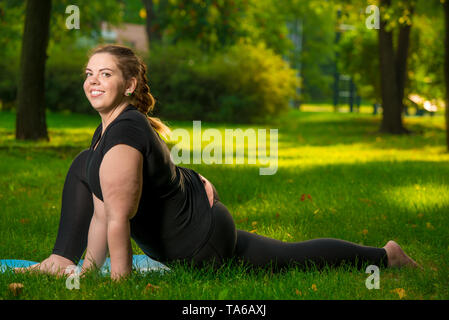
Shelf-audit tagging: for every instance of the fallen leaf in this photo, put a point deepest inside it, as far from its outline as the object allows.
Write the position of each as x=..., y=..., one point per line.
x=420, y=215
x=303, y=197
x=365, y=232
x=152, y=287
x=429, y=226
x=15, y=288
x=277, y=215
x=254, y=223
x=367, y=201
x=314, y=287
x=316, y=211
x=309, y=196
x=253, y=231
x=242, y=220
x=400, y=292
x=298, y=292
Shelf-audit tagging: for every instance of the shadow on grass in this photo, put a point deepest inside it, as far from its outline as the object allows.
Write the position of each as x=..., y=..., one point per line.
x=315, y=132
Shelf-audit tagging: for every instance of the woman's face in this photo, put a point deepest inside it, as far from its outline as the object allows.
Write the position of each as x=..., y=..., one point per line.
x=104, y=85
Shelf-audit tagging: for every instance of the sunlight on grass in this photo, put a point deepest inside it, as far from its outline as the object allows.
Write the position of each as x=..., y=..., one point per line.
x=421, y=197
x=337, y=177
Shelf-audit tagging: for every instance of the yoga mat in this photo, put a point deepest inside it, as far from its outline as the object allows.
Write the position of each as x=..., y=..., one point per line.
x=141, y=263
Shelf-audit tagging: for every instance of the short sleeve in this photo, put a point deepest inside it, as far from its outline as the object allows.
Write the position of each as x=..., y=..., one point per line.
x=125, y=131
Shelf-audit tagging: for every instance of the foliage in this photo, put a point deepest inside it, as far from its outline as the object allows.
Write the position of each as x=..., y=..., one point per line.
x=256, y=21
x=65, y=77
x=12, y=18
x=426, y=55
x=245, y=83
x=359, y=50
x=11, y=24
x=211, y=24
x=359, y=57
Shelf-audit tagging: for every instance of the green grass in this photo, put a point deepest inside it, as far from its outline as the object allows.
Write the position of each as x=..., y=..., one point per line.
x=365, y=187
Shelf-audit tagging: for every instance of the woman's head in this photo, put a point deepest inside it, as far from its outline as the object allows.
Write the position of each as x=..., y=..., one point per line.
x=115, y=74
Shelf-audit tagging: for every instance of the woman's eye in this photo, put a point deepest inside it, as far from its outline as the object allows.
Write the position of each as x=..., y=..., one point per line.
x=107, y=74
x=87, y=74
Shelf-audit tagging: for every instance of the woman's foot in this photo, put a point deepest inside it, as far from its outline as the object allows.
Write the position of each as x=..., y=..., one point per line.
x=397, y=257
x=54, y=264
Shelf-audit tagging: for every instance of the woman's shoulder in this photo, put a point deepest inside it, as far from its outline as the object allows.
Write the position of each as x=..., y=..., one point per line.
x=133, y=114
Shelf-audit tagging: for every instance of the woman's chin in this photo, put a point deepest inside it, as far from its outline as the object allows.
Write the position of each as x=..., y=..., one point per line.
x=98, y=105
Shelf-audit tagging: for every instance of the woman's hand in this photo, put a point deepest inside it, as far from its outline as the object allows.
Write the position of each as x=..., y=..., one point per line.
x=54, y=264
x=209, y=190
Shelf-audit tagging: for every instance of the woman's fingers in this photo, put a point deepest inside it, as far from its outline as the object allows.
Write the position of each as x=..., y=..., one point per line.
x=43, y=268
x=209, y=190
x=26, y=269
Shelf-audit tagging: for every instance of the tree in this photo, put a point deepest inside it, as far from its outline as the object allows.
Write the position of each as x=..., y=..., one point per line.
x=152, y=27
x=393, y=65
x=30, y=115
x=30, y=118
x=446, y=67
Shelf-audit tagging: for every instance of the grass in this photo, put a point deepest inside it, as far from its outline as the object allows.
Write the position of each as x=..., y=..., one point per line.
x=364, y=187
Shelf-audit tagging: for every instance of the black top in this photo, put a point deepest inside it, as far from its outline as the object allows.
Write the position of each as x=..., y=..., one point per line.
x=173, y=219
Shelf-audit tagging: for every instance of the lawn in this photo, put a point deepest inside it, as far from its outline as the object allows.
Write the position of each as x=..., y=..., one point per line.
x=336, y=178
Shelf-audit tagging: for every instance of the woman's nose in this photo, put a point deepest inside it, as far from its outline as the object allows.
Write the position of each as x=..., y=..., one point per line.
x=93, y=80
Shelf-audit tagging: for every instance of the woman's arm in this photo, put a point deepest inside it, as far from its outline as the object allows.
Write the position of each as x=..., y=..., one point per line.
x=121, y=186
x=97, y=246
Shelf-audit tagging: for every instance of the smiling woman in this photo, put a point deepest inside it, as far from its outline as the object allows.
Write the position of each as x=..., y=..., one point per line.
x=127, y=186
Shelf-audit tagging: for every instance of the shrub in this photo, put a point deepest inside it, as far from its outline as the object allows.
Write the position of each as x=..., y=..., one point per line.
x=244, y=83
x=64, y=80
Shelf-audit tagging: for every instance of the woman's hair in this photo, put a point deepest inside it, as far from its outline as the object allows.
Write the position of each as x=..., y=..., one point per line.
x=132, y=65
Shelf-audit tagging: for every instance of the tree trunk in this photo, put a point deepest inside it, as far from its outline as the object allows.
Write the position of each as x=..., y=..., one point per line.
x=401, y=58
x=446, y=68
x=30, y=117
x=153, y=32
x=391, y=100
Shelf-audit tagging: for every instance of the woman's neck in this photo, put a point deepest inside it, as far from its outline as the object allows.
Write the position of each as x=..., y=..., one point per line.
x=111, y=114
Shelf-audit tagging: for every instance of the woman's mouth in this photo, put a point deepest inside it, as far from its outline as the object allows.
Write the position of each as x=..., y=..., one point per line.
x=96, y=93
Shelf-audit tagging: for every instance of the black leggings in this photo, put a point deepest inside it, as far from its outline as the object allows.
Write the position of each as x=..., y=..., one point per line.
x=226, y=242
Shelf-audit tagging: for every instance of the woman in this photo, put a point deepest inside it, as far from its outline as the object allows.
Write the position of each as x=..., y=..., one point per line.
x=126, y=186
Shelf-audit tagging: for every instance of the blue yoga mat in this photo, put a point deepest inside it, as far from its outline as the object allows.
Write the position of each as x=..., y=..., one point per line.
x=141, y=263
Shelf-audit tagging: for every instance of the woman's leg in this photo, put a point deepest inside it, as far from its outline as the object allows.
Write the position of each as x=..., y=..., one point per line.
x=260, y=251
x=76, y=211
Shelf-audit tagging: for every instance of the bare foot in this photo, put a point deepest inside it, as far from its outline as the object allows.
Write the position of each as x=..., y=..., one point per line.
x=397, y=257
x=54, y=264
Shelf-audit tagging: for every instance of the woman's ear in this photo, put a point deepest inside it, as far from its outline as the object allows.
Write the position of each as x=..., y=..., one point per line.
x=131, y=85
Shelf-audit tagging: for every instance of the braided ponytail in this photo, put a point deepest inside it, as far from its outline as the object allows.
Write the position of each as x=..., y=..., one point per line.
x=132, y=65
x=144, y=101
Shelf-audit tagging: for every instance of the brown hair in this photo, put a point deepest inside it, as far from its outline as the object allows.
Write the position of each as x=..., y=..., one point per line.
x=131, y=65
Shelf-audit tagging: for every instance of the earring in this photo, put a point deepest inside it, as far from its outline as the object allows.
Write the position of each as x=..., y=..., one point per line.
x=129, y=93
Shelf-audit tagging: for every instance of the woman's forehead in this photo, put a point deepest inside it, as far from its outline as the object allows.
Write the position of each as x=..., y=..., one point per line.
x=101, y=61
